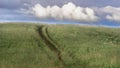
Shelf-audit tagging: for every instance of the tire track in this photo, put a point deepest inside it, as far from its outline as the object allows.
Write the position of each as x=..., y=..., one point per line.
x=42, y=30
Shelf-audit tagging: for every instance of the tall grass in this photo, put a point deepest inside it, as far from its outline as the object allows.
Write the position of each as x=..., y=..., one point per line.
x=81, y=47
x=22, y=47
x=87, y=47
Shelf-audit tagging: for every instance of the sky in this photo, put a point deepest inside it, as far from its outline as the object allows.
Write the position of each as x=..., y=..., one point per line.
x=95, y=12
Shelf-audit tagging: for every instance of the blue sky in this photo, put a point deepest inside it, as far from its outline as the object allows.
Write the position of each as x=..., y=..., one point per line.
x=103, y=12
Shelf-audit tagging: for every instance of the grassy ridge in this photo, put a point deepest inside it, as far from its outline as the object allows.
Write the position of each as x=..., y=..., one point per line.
x=21, y=46
x=87, y=47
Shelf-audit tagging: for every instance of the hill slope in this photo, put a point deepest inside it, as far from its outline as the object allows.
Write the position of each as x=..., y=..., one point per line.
x=58, y=46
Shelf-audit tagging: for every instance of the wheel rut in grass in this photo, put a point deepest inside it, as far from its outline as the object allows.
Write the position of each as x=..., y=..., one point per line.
x=44, y=35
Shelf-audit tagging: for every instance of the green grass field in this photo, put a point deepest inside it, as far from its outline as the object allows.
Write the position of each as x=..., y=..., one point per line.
x=58, y=46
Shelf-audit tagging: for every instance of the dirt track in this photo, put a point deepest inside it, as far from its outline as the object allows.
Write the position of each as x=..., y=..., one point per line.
x=44, y=35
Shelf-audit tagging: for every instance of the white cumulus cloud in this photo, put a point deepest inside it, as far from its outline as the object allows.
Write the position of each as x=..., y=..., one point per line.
x=67, y=12
x=40, y=11
x=113, y=13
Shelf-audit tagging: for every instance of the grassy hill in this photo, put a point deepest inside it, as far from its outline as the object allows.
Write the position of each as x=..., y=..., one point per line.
x=58, y=46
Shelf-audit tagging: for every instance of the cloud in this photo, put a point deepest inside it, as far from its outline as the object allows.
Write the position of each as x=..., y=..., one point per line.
x=14, y=4
x=7, y=15
x=113, y=13
x=68, y=11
